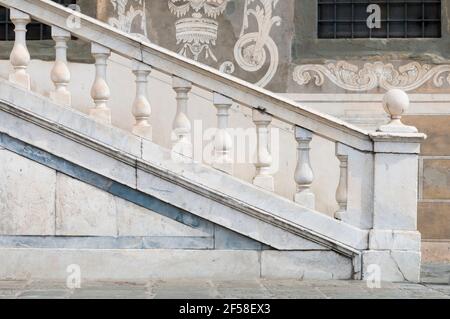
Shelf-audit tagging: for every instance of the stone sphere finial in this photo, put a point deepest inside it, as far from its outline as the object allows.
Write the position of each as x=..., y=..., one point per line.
x=396, y=103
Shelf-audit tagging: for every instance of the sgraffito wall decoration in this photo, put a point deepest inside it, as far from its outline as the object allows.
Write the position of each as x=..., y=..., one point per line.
x=261, y=41
x=377, y=75
x=127, y=15
x=254, y=49
x=196, y=26
x=234, y=36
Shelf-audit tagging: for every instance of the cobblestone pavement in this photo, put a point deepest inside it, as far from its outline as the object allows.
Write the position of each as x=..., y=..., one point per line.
x=435, y=285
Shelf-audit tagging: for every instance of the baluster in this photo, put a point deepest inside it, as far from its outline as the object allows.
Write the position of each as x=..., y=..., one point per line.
x=20, y=57
x=141, y=106
x=181, y=134
x=342, y=189
x=304, y=175
x=100, y=91
x=60, y=73
x=223, y=141
x=263, y=177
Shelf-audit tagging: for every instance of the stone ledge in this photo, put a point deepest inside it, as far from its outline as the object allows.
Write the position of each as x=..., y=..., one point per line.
x=394, y=240
x=99, y=243
x=391, y=266
x=135, y=265
x=306, y=265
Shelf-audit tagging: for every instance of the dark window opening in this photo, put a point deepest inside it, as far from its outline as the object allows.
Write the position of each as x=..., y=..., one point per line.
x=35, y=30
x=399, y=19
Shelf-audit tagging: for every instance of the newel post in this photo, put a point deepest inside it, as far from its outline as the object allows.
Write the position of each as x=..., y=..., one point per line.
x=20, y=57
x=394, y=242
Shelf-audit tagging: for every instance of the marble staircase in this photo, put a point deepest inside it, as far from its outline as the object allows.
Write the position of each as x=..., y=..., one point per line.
x=75, y=190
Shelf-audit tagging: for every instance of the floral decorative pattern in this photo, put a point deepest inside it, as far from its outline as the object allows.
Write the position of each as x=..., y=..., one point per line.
x=126, y=17
x=250, y=50
x=373, y=75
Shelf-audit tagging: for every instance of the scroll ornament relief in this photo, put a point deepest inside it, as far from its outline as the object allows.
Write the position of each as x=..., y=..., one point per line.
x=125, y=18
x=250, y=50
x=197, y=33
x=373, y=75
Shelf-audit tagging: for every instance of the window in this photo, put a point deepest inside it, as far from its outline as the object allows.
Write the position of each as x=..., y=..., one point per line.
x=35, y=30
x=399, y=19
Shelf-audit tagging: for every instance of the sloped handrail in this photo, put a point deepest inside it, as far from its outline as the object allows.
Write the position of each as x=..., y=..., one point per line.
x=210, y=79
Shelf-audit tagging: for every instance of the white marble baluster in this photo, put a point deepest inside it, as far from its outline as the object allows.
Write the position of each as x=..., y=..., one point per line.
x=342, y=190
x=304, y=175
x=141, y=106
x=60, y=73
x=223, y=141
x=263, y=177
x=20, y=57
x=181, y=134
x=100, y=91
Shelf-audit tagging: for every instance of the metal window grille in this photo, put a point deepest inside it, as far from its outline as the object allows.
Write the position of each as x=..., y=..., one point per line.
x=399, y=19
x=35, y=30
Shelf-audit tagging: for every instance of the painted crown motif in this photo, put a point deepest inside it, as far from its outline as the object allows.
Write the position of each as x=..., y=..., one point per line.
x=198, y=32
x=211, y=8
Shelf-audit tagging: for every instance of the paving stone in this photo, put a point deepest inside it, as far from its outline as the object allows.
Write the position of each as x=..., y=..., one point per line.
x=45, y=285
x=343, y=293
x=13, y=284
x=120, y=285
x=253, y=289
x=436, y=273
x=111, y=290
x=11, y=288
x=293, y=289
x=45, y=294
x=183, y=289
x=297, y=293
x=8, y=293
x=207, y=289
x=187, y=294
x=101, y=294
x=444, y=289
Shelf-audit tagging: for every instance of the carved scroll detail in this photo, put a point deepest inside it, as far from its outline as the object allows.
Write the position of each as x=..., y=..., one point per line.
x=373, y=75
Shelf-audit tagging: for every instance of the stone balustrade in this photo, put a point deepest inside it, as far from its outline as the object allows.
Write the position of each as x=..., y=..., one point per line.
x=377, y=187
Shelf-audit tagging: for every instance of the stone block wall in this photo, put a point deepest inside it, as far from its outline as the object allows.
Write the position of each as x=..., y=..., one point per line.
x=434, y=186
x=79, y=215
